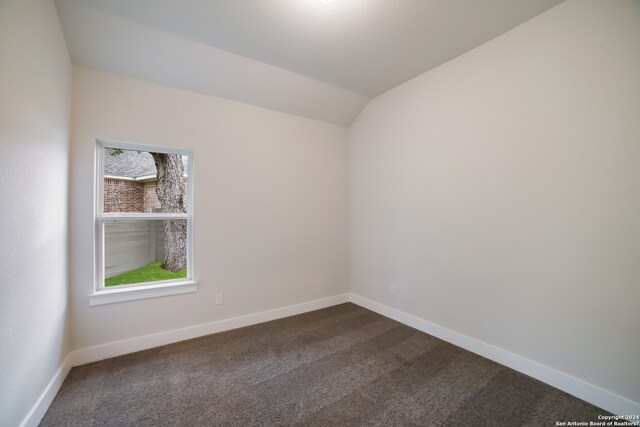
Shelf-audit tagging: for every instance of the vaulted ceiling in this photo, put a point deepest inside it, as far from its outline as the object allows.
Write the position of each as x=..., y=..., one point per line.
x=313, y=58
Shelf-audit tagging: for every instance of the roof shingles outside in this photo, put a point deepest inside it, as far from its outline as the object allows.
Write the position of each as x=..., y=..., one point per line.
x=131, y=164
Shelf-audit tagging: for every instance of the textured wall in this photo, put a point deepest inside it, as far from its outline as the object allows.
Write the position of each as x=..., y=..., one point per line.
x=35, y=85
x=499, y=193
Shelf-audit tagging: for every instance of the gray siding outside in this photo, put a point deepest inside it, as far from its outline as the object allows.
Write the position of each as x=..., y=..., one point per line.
x=132, y=244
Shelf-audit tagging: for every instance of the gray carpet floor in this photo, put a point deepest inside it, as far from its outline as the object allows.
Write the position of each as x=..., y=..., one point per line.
x=340, y=366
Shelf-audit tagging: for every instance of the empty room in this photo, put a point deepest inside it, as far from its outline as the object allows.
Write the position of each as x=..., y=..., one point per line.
x=319, y=213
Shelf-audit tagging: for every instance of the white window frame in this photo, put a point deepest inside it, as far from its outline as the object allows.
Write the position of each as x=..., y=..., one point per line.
x=135, y=291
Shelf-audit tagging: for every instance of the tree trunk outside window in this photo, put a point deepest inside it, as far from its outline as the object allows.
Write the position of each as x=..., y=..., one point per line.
x=171, y=193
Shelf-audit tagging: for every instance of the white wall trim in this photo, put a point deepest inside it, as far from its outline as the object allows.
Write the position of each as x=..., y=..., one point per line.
x=131, y=345
x=125, y=293
x=591, y=393
x=48, y=394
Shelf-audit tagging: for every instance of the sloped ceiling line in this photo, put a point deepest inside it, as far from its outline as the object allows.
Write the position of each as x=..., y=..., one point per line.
x=316, y=59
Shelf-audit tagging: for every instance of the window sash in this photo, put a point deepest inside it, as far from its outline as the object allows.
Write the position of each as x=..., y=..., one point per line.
x=101, y=217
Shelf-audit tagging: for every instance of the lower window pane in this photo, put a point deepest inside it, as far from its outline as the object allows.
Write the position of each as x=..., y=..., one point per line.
x=139, y=251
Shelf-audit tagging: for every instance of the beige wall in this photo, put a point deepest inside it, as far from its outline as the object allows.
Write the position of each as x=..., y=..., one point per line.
x=35, y=86
x=270, y=204
x=499, y=193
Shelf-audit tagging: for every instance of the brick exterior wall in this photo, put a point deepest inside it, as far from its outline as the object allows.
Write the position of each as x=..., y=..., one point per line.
x=123, y=196
x=150, y=197
x=131, y=196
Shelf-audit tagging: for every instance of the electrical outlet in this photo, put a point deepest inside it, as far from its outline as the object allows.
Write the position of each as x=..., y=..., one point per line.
x=392, y=289
x=219, y=298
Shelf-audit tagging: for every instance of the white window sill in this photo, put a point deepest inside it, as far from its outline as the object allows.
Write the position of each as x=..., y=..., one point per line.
x=109, y=296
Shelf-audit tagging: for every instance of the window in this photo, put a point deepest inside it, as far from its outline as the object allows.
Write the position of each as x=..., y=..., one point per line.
x=144, y=222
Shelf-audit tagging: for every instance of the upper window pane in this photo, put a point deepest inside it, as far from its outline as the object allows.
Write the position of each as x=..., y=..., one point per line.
x=144, y=182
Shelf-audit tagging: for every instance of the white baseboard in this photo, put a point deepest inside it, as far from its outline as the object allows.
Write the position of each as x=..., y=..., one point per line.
x=597, y=396
x=588, y=392
x=119, y=348
x=131, y=345
x=42, y=404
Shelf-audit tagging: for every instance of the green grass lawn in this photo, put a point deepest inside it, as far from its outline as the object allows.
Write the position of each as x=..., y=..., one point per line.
x=150, y=273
